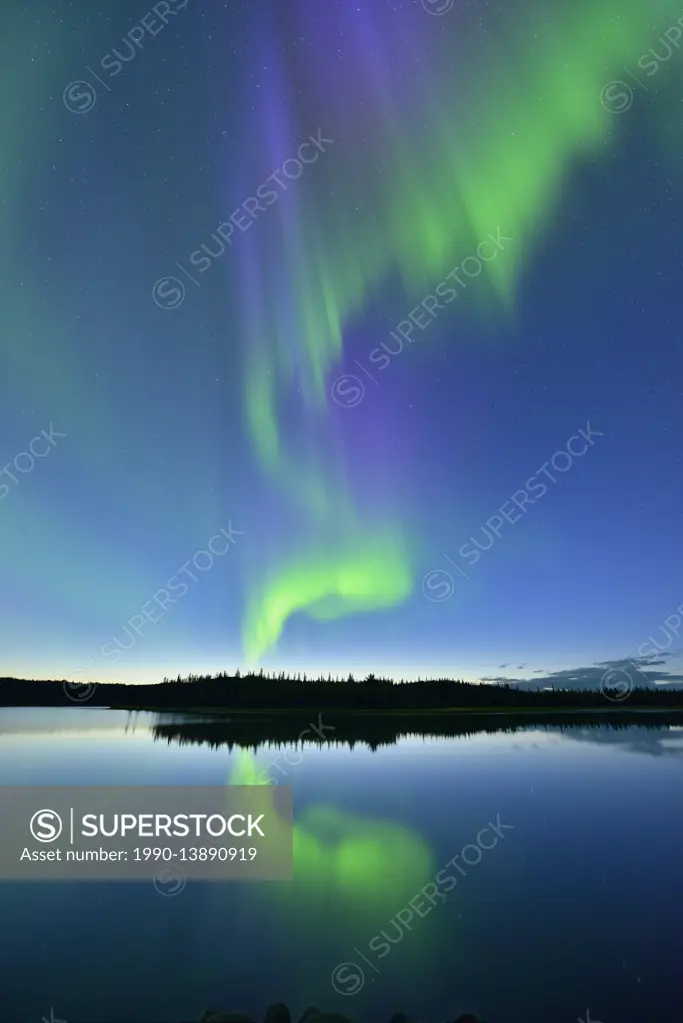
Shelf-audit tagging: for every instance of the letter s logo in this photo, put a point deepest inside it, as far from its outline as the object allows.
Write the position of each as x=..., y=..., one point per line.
x=46, y=825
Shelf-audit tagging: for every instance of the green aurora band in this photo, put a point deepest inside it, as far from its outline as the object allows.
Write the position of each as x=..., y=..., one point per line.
x=494, y=156
x=341, y=862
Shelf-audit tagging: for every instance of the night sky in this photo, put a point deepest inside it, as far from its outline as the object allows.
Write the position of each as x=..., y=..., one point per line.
x=342, y=337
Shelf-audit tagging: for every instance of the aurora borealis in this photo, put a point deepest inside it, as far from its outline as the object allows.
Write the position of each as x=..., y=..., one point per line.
x=349, y=868
x=212, y=398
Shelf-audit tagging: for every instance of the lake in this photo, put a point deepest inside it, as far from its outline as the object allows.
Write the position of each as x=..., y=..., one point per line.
x=562, y=845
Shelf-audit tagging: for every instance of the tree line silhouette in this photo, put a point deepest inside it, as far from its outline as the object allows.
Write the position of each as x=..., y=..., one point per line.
x=264, y=691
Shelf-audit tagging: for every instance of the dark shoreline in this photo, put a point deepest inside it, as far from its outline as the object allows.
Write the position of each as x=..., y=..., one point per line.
x=213, y=725
x=252, y=695
x=418, y=712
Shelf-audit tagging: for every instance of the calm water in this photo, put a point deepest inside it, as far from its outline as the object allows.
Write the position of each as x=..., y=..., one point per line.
x=576, y=905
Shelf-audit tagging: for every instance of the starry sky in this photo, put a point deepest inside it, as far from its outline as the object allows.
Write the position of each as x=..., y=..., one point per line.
x=342, y=337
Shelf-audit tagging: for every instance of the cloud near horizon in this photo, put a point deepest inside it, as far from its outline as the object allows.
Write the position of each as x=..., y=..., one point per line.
x=644, y=672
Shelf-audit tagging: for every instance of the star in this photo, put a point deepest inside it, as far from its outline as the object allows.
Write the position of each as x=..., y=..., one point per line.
x=53, y=1018
x=588, y=1018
